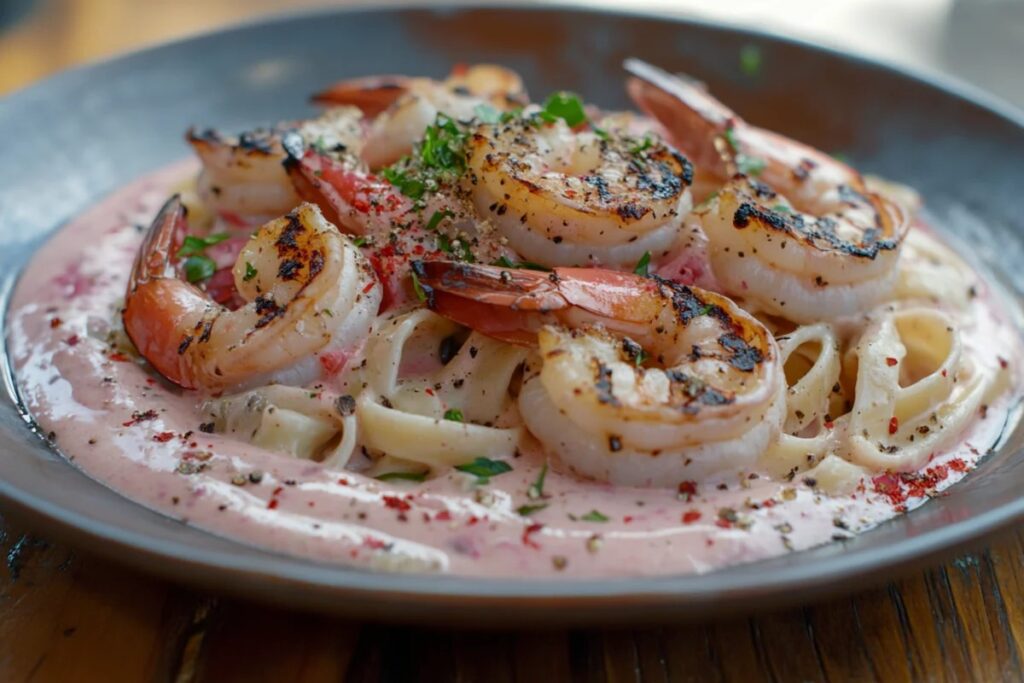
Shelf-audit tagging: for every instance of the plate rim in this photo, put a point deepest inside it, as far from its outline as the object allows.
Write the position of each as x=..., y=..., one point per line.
x=221, y=566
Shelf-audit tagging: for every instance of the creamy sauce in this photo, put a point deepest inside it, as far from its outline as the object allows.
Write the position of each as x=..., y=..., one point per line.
x=126, y=427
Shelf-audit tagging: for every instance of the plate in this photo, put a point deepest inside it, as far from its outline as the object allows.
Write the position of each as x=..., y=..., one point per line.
x=74, y=138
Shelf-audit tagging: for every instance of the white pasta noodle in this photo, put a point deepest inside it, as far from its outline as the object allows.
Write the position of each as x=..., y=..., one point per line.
x=916, y=390
x=288, y=420
x=804, y=439
x=932, y=271
x=402, y=413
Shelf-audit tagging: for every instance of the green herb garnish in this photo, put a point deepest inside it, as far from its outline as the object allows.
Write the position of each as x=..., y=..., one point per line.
x=250, y=272
x=195, y=246
x=566, y=106
x=485, y=113
x=435, y=220
x=359, y=241
x=641, y=356
x=599, y=132
x=506, y=262
x=747, y=165
x=641, y=146
x=485, y=468
x=750, y=60
x=199, y=268
x=781, y=208
x=705, y=309
x=594, y=516
x=642, y=265
x=453, y=414
x=404, y=181
x=527, y=510
x=536, y=489
x=402, y=476
x=417, y=288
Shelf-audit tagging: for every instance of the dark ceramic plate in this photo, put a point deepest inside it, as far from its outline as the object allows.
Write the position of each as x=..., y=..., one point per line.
x=76, y=137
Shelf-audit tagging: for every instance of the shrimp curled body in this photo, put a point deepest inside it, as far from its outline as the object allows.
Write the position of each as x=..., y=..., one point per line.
x=576, y=197
x=309, y=295
x=791, y=230
x=641, y=381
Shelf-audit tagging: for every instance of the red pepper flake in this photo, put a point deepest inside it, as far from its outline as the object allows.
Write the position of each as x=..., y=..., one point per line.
x=118, y=357
x=768, y=503
x=957, y=465
x=829, y=424
x=894, y=425
x=374, y=543
x=627, y=519
x=724, y=523
x=428, y=391
x=691, y=516
x=944, y=372
x=396, y=503
x=890, y=361
x=369, y=286
x=688, y=489
x=55, y=323
x=443, y=516
x=343, y=481
x=163, y=437
x=332, y=361
x=272, y=504
x=73, y=341
x=277, y=491
x=1003, y=363
x=530, y=531
x=888, y=485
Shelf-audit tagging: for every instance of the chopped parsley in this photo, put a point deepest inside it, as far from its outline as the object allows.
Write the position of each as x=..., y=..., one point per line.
x=750, y=60
x=438, y=158
x=417, y=288
x=536, y=489
x=642, y=146
x=445, y=244
x=404, y=181
x=485, y=113
x=527, y=510
x=781, y=208
x=195, y=246
x=402, y=476
x=250, y=272
x=435, y=220
x=485, y=468
x=640, y=357
x=359, y=241
x=199, y=268
x=705, y=309
x=453, y=414
x=594, y=516
x=642, y=266
x=566, y=106
x=506, y=262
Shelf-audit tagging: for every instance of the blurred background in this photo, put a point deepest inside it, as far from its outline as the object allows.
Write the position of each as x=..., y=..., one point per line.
x=981, y=41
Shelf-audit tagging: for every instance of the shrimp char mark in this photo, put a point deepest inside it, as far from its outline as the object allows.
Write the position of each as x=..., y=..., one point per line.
x=575, y=194
x=792, y=230
x=307, y=291
x=641, y=381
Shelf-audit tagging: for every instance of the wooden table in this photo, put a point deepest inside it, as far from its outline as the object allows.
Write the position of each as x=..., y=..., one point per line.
x=67, y=616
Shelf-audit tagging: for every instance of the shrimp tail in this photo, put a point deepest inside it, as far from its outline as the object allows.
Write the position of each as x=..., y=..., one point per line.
x=153, y=260
x=694, y=120
x=372, y=95
x=510, y=304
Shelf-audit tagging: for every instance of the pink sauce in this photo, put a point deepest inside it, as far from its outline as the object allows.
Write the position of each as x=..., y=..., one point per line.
x=125, y=427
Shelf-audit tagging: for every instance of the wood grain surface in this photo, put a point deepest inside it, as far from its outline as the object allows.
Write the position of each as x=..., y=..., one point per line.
x=65, y=616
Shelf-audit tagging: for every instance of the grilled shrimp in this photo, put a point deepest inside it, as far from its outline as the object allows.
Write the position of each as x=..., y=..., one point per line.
x=641, y=381
x=791, y=229
x=562, y=196
x=402, y=107
x=242, y=179
x=309, y=296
